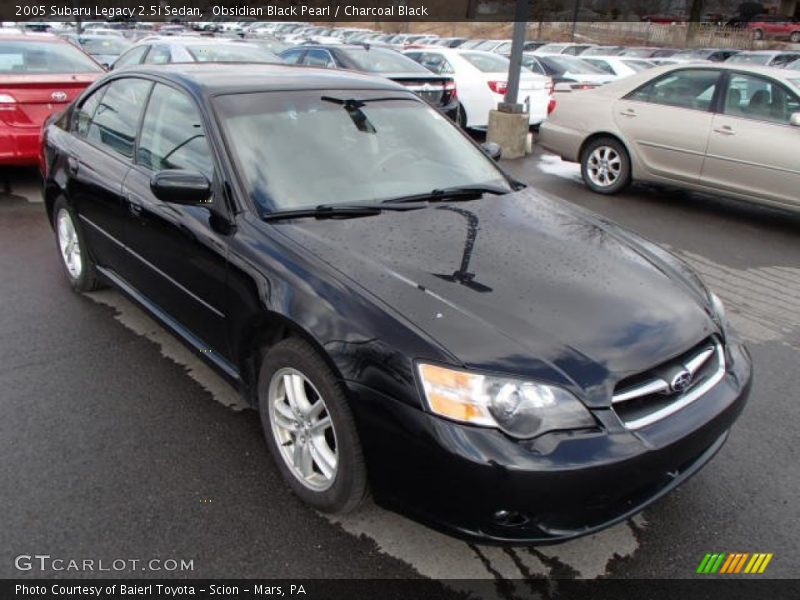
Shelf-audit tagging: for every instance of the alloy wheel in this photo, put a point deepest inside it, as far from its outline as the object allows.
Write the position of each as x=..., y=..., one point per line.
x=604, y=166
x=69, y=244
x=303, y=429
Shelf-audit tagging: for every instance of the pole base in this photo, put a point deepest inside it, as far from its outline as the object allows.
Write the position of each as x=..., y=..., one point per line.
x=510, y=131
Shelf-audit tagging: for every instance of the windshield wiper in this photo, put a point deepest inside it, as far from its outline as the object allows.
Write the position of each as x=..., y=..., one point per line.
x=332, y=211
x=464, y=192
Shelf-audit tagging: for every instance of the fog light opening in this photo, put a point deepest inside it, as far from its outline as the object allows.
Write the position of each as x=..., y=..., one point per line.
x=509, y=518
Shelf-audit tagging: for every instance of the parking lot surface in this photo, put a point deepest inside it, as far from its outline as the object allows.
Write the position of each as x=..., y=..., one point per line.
x=119, y=443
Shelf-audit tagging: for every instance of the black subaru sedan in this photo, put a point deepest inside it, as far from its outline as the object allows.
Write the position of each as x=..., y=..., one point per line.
x=407, y=319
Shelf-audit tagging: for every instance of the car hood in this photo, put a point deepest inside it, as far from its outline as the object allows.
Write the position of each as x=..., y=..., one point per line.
x=521, y=284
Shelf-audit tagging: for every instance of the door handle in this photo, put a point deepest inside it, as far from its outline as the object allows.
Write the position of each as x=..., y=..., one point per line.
x=725, y=130
x=73, y=165
x=134, y=206
x=628, y=113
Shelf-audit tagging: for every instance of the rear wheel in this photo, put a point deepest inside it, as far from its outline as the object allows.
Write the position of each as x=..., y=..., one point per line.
x=310, y=429
x=606, y=166
x=795, y=37
x=78, y=264
x=758, y=34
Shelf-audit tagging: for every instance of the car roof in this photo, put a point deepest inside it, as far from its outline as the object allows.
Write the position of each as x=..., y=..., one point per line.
x=209, y=79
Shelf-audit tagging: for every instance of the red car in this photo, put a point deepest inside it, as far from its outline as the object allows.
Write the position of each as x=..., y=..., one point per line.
x=39, y=74
x=775, y=26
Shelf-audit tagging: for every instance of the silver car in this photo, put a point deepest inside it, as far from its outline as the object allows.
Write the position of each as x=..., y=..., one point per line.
x=730, y=129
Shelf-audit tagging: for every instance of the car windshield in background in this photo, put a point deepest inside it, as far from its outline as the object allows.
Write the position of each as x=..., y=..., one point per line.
x=750, y=59
x=487, y=63
x=21, y=57
x=104, y=45
x=377, y=60
x=233, y=52
x=304, y=149
x=566, y=64
x=638, y=65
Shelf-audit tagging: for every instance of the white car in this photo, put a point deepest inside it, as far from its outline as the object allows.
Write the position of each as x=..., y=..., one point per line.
x=481, y=81
x=619, y=66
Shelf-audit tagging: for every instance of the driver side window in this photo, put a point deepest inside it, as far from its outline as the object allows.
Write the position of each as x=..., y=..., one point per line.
x=172, y=134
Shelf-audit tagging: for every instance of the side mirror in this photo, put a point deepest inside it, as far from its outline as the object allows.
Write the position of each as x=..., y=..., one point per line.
x=492, y=150
x=795, y=119
x=181, y=187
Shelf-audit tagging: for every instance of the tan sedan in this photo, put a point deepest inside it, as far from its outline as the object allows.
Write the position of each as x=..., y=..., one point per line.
x=730, y=129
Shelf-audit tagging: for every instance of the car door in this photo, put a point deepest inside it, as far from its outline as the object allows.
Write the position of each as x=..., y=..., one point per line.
x=180, y=255
x=104, y=129
x=753, y=146
x=668, y=120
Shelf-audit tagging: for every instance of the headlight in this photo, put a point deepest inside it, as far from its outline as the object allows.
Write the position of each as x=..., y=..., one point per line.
x=520, y=408
x=720, y=315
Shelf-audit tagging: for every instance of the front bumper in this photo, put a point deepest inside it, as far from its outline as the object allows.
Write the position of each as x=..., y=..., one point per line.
x=481, y=485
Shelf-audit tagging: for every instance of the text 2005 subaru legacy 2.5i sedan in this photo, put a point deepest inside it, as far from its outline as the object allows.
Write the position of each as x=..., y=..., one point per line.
x=406, y=318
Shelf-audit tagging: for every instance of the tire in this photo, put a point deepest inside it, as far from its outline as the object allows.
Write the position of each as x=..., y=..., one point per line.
x=462, y=117
x=795, y=37
x=758, y=34
x=73, y=250
x=606, y=166
x=338, y=489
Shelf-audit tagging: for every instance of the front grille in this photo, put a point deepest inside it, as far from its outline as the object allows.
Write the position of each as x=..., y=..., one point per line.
x=648, y=397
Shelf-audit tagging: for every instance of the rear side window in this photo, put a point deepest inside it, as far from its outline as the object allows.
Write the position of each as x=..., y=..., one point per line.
x=131, y=57
x=293, y=57
x=117, y=115
x=172, y=134
x=761, y=99
x=689, y=88
x=436, y=63
x=159, y=55
x=319, y=58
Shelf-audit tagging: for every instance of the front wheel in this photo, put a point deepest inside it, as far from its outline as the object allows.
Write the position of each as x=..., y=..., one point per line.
x=606, y=166
x=795, y=37
x=758, y=34
x=310, y=429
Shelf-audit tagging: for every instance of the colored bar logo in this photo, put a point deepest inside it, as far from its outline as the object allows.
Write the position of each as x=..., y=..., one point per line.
x=734, y=563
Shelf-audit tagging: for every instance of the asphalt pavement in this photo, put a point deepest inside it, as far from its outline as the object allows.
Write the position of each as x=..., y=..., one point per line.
x=118, y=444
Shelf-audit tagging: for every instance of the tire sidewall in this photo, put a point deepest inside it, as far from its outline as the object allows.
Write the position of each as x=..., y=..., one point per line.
x=349, y=485
x=625, y=176
x=85, y=282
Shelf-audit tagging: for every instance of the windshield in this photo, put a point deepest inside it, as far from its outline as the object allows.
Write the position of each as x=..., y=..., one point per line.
x=750, y=59
x=303, y=149
x=691, y=54
x=565, y=64
x=639, y=65
x=234, y=52
x=377, y=60
x=104, y=45
x=21, y=57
